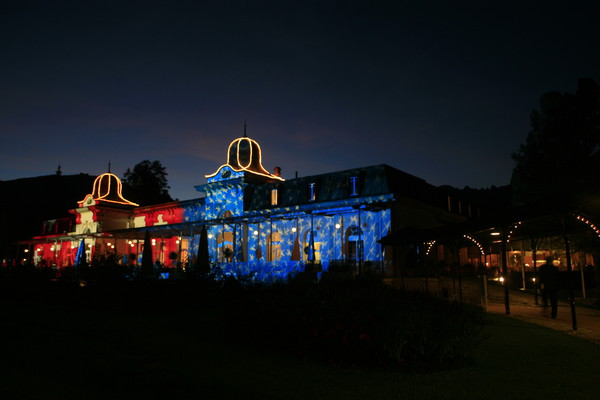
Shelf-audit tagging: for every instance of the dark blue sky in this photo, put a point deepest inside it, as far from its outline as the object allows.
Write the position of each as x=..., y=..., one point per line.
x=441, y=90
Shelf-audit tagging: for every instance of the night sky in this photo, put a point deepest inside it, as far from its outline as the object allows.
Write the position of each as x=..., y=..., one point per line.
x=439, y=89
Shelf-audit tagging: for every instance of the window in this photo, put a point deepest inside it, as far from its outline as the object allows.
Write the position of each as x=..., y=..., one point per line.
x=312, y=195
x=274, y=247
x=225, y=247
x=355, y=243
x=312, y=247
x=354, y=186
x=274, y=201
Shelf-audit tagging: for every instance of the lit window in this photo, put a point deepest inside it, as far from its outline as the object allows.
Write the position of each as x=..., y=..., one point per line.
x=274, y=197
x=354, y=186
x=312, y=196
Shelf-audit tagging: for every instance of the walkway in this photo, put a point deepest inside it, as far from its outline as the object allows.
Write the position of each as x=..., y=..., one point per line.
x=523, y=307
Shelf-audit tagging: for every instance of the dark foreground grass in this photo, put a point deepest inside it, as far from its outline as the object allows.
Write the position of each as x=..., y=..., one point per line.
x=58, y=350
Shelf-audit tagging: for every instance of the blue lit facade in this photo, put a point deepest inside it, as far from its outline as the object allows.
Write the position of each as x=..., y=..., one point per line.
x=265, y=228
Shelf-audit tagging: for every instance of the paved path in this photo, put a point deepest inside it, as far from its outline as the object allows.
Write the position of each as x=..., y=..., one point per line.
x=523, y=307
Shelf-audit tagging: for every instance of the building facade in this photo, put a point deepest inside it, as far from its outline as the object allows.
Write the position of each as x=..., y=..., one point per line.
x=259, y=225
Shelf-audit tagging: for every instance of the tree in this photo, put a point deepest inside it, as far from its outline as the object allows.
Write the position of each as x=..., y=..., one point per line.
x=147, y=183
x=562, y=150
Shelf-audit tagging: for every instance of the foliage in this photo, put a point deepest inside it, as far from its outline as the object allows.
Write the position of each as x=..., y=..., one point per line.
x=562, y=149
x=358, y=323
x=147, y=183
x=106, y=268
x=26, y=274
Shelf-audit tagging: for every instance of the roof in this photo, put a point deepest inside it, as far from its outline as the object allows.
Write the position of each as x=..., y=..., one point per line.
x=372, y=181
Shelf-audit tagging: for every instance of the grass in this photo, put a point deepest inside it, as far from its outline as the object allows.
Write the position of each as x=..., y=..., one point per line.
x=102, y=349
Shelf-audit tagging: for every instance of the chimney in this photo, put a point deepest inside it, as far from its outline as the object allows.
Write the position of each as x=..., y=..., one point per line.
x=277, y=171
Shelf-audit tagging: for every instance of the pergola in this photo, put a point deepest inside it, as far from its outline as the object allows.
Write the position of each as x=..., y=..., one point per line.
x=562, y=216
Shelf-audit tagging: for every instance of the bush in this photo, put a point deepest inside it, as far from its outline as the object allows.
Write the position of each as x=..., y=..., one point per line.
x=359, y=323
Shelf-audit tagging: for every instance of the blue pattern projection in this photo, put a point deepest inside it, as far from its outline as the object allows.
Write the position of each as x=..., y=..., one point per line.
x=271, y=243
x=263, y=228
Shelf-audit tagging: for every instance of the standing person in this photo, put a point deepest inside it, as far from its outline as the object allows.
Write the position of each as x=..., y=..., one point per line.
x=549, y=282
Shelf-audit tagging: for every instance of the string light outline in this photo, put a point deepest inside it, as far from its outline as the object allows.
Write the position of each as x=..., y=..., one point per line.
x=96, y=188
x=244, y=168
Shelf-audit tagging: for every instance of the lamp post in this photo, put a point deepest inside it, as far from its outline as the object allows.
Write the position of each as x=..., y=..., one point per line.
x=505, y=272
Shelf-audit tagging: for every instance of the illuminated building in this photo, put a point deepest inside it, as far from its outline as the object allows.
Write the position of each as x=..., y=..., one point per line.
x=260, y=225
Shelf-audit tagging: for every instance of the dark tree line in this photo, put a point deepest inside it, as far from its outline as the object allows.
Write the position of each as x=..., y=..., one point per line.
x=562, y=150
x=146, y=183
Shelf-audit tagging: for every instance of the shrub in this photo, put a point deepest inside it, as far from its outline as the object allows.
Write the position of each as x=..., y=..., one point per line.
x=359, y=323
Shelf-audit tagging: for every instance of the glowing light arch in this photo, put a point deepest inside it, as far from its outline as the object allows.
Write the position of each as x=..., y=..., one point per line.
x=236, y=164
x=108, y=187
x=588, y=223
x=430, y=246
x=479, y=245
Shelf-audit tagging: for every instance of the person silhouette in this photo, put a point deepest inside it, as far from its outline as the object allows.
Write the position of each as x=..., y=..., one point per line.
x=549, y=282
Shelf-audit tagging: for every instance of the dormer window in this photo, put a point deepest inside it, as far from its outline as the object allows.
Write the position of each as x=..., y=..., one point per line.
x=354, y=186
x=312, y=194
x=274, y=200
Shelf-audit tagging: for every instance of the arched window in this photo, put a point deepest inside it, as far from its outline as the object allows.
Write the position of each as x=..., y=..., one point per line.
x=355, y=243
x=312, y=246
x=226, y=214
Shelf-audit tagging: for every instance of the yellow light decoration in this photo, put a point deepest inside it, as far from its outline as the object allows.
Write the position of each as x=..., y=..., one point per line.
x=241, y=167
x=512, y=231
x=430, y=246
x=590, y=224
x=337, y=226
x=476, y=243
x=103, y=188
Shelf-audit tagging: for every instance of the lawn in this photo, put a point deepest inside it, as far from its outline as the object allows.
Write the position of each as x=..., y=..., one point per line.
x=156, y=348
